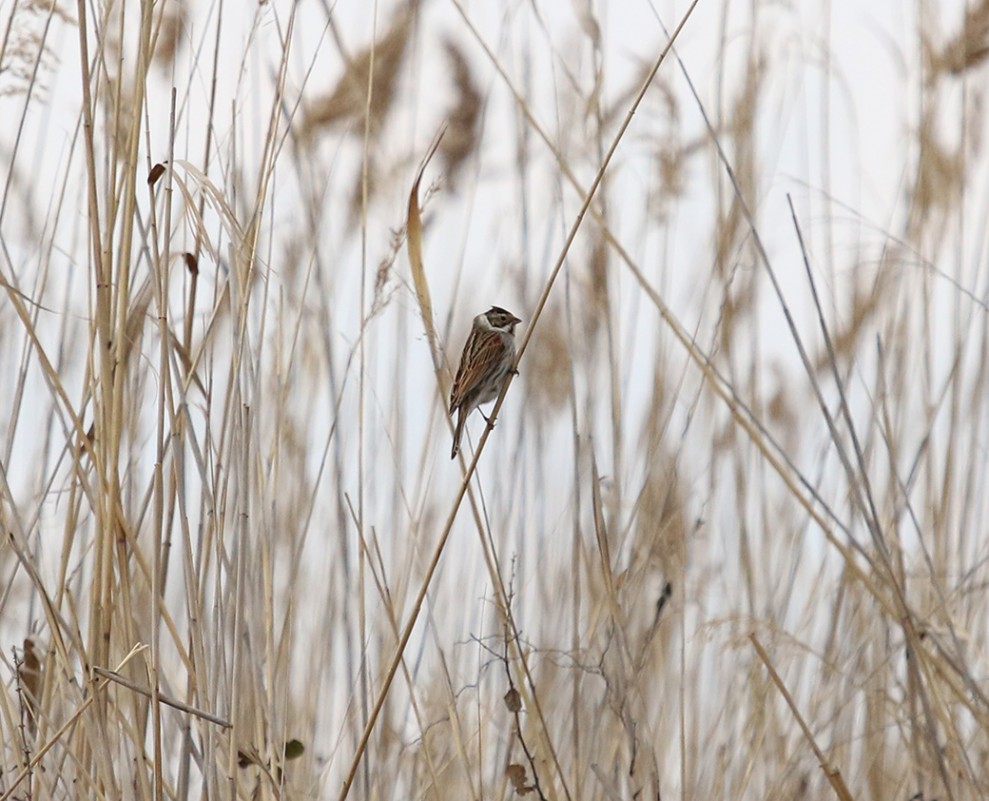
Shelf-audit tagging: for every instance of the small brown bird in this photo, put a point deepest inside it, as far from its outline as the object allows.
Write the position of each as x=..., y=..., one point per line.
x=484, y=365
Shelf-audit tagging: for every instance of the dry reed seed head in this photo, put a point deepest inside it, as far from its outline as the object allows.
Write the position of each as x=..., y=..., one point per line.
x=968, y=49
x=462, y=134
x=726, y=236
x=940, y=174
x=598, y=289
x=782, y=414
x=670, y=153
x=738, y=301
x=846, y=337
x=117, y=103
x=23, y=41
x=975, y=131
x=670, y=163
x=731, y=228
x=547, y=364
x=384, y=287
x=170, y=33
x=348, y=102
x=660, y=534
x=363, y=187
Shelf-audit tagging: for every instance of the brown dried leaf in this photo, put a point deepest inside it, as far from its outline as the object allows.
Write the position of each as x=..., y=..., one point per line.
x=513, y=701
x=29, y=674
x=294, y=749
x=414, y=241
x=516, y=775
x=156, y=172
x=191, y=263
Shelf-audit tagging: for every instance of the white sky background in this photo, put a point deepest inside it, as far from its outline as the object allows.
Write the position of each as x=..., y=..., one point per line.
x=840, y=100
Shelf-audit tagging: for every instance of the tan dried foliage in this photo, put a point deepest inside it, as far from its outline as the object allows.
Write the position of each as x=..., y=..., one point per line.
x=547, y=364
x=363, y=189
x=968, y=49
x=170, y=32
x=118, y=98
x=413, y=231
x=597, y=295
x=462, y=133
x=670, y=160
x=659, y=551
x=845, y=341
x=516, y=775
x=23, y=67
x=940, y=170
x=348, y=102
x=739, y=297
x=29, y=675
x=731, y=228
x=781, y=411
x=660, y=534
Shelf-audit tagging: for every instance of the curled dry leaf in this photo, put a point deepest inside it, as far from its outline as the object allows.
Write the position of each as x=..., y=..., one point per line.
x=512, y=700
x=294, y=749
x=29, y=674
x=156, y=172
x=516, y=775
x=247, y=757
x=414, y=241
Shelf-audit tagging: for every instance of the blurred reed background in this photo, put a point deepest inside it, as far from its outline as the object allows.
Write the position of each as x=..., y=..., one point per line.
x=728, y=539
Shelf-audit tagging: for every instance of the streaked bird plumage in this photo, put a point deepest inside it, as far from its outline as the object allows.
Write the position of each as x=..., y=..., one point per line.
x=484, y=366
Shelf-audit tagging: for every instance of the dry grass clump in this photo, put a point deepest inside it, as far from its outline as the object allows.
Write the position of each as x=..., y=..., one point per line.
x=725, y=539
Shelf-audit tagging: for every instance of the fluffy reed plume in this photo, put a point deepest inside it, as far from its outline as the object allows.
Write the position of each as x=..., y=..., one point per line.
x=357, y=92
x=171, y=30
x=701, y=555
x=548, y=370
x=462, y=133
x=968, y=49
x=26, y=53
x=941, y=171
x=740, y=132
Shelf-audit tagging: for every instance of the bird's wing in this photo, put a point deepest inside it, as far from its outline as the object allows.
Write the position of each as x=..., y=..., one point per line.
x=483, y=349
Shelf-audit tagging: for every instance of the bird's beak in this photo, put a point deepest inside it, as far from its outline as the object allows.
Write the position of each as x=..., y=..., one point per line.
x=515, y=319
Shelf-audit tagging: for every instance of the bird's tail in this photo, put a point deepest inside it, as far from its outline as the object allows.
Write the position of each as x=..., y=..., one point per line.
x=458, y=432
